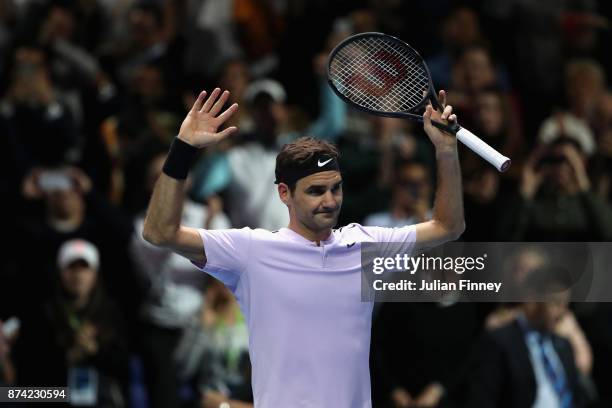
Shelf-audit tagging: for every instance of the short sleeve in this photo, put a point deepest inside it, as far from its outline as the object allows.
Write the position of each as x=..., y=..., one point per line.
x=405, y=234
x=226, y=252
x=401, y=239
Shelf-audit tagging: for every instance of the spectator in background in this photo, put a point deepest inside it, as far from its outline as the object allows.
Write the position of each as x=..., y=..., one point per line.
x=524, y=363
x=519, y=267
x=150, y=108
x=495, y=122
x=74, y=67
x=411, y=197
x=460, y=30
x=38, y=127
x=71, y=208
x=92, y=24
x=474, y=71
x=70, y=33
x=213, y=352
x=483, y=93
x=585, y=84
x=77, y=338
x=145, y=41
x=173, y=296
x=555, y=200
x=235, y=77
x=84, y=24
x=530, y=33
x=246, y=29
x=566, y=125
x=582, y=30
x=259, y=26
x=416, y=364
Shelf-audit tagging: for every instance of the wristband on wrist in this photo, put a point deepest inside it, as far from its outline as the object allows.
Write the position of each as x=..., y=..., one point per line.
x=179, y=160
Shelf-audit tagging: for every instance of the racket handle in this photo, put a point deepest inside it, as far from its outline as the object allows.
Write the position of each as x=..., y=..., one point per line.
x=498, y=160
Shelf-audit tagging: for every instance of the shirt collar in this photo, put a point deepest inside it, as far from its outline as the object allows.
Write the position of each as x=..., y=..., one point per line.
x=294, y=236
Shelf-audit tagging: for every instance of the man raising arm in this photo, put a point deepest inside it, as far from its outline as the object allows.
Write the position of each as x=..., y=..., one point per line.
x=199, y=129
x=447, y=223
x=299, y=287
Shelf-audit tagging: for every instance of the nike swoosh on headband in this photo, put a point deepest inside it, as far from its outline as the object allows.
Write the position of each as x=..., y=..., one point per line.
x=324, y=163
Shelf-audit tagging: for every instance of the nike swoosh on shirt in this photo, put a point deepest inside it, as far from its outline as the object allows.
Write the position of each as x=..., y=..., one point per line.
x=324, y=163
x=350, y=245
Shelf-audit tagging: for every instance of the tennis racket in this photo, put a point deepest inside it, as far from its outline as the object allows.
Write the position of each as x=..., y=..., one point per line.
x=384, y=76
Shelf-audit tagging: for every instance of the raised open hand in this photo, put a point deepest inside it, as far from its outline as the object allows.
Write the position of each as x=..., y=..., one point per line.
x=199, y=128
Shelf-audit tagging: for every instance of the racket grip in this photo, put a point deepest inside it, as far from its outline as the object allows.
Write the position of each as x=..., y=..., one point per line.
x=498, y=160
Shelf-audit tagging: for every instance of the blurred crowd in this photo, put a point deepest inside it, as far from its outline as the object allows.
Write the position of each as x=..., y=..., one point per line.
x=92, y=92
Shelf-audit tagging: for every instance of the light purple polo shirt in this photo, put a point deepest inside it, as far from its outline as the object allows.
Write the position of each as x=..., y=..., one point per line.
x=309, y=331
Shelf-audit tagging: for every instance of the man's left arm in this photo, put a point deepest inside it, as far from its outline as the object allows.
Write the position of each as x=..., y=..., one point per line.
x=448, y=222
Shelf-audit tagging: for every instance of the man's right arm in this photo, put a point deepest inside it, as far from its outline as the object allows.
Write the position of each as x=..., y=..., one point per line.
x=162, y=223
x=162, y=226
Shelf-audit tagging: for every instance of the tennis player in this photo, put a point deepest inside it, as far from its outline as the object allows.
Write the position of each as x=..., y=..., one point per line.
x=299, y=287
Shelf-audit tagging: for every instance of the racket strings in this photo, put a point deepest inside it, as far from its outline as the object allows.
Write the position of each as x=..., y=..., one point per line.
x=379, y=75
x=396, y=93
x=402, y=95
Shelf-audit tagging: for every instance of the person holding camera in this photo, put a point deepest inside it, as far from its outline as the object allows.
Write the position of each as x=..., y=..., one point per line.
x=64, y=205
x=555, y=200
x=37, y=125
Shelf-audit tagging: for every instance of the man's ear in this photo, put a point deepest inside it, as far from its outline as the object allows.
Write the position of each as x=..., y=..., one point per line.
x=284, y=193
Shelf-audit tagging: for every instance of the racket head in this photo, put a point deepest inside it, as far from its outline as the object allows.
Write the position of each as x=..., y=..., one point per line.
x=382, y=75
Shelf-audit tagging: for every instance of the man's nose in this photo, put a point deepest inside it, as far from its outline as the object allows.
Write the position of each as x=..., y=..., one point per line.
x=329, y=200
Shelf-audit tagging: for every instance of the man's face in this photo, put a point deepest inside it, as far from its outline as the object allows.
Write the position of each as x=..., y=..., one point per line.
x=550, y=307
x=544, y=316
x=554, y=311
x=235, y=78
x=490, y=113
x=584, y=89
x=478, y=69
x=316, y=201
x=78, y=279
x=65, y=204
x=143, y=27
